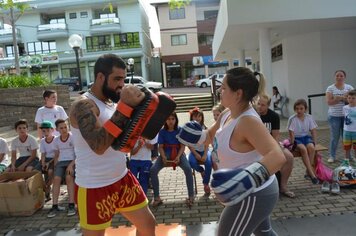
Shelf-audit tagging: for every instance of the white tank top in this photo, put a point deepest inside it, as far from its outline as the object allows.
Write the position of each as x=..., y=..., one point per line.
x=228, y=158
x=93, y=170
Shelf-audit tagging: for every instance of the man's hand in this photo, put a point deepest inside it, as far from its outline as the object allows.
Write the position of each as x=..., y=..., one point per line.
x=131, y=95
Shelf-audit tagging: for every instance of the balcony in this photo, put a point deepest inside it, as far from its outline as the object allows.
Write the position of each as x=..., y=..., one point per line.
x=6, y=36
x=52, y=31
x=105, y=25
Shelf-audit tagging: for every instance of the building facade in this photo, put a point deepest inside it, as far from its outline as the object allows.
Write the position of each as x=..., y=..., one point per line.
x=297, y=45
x=186, y=36
x=43, y=32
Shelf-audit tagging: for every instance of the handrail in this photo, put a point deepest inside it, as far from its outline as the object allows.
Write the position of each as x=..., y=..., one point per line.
x=313, y=96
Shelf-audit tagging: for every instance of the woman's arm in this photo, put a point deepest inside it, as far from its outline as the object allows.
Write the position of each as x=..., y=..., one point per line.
x=195, y=153
x=333, y=99
x=251, y=132
x=212, y=130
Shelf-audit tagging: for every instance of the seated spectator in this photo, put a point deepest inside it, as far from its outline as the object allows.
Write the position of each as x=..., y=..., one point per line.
x=272, y=122
x=299, y=126
x=4, y=150
x=170, y=149
x=26, y=145
x=200, y=154
x=63, y=167
x=47, y=150
x=140, y=161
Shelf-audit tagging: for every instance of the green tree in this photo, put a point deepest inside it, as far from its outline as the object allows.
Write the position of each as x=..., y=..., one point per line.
x=13, y=10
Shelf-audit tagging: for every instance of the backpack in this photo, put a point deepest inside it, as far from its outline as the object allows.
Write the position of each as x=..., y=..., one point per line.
x=322, y=172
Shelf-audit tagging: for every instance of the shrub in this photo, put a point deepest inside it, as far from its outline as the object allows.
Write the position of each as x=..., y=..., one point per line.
x=20, y=81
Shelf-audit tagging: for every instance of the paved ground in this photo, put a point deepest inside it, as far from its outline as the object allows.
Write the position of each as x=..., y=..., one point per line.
x=309, y=203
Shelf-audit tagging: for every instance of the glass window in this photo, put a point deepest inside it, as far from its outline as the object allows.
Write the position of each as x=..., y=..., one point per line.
x=210, y=14
x=41, y=47
x=180, y=39
x=83, y=14
x=98, y=42
x=72, y=15
x=177, y=13
x=127, y=40
x=9, y=51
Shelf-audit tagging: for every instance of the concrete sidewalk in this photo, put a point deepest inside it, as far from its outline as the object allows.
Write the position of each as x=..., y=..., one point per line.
x=307, y=214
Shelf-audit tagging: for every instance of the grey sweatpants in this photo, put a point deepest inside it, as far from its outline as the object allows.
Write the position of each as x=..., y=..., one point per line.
x=250, y=215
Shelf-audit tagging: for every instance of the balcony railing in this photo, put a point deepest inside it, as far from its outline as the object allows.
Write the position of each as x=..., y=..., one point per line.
x=56, y=26
x=110, y=48
x=105, y=21
x=8, y=31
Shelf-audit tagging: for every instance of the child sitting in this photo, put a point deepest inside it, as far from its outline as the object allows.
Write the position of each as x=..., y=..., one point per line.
x=200, y=154
x=47, y=150
x=299, y=126
x=63, y=167
x=140, y=161
x=170, y=149
x=4, y=149
x=27, y=147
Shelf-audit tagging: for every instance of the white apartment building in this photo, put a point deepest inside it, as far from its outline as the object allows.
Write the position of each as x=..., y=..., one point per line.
x=298, y=45
x=43, y=32
x=186, y=37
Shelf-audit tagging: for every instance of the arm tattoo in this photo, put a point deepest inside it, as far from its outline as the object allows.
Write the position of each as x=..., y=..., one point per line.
x=96, y=136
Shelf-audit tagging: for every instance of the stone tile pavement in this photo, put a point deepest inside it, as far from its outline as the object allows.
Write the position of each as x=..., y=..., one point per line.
x=309, y=201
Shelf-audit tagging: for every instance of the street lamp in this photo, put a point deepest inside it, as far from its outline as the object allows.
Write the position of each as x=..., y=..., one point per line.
x=75, y=42
x=131, y=63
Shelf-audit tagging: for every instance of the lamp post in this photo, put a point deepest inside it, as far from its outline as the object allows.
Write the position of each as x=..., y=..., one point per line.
x=131, y=63
x=75, y=42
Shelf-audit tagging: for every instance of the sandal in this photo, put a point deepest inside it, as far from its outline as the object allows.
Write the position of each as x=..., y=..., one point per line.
x=288, y=194
x=206, y=189
x=189, y=201
x=157, y=202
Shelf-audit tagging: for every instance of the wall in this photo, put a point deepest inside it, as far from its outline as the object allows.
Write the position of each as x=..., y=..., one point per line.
x=26, y=101
x=304, y=76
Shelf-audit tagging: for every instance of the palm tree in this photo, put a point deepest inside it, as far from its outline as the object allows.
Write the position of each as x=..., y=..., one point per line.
x=13, y=11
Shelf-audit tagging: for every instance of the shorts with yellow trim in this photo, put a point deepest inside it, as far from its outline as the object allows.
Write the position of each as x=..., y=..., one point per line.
x=349, y=140
x=97, y=206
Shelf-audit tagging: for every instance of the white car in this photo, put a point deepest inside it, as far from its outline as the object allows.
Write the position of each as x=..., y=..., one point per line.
x=141, y=82
x=206, y=82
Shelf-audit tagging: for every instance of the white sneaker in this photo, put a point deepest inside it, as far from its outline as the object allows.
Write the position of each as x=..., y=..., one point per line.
x=335, y=188
x=331, y=160
x=325, y=187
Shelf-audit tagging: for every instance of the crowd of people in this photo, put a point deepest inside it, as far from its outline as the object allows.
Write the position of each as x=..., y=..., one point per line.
x=77, y=150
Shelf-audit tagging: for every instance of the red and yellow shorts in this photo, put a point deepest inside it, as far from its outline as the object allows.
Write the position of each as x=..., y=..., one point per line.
x=97, y=206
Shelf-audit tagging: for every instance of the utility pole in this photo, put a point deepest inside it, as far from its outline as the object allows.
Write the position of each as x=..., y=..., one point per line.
x=14, y=40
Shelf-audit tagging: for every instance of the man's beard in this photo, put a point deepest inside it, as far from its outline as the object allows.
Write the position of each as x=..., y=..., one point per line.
x=109, y=93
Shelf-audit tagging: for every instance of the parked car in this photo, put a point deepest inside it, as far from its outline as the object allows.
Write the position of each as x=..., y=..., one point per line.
x=72, y=82
x=206, y=82
x=141, y=82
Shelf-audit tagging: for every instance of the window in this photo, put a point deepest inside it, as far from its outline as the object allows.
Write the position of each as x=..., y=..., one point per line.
x=96, y=43
x=179, y=39
x=83, y=14
x=72, y=15
x=9, y=51
x=277, y=53
x=177, y=13
x=210, y=14
x=34, y=48
x=127, y=40
x=204, y=39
